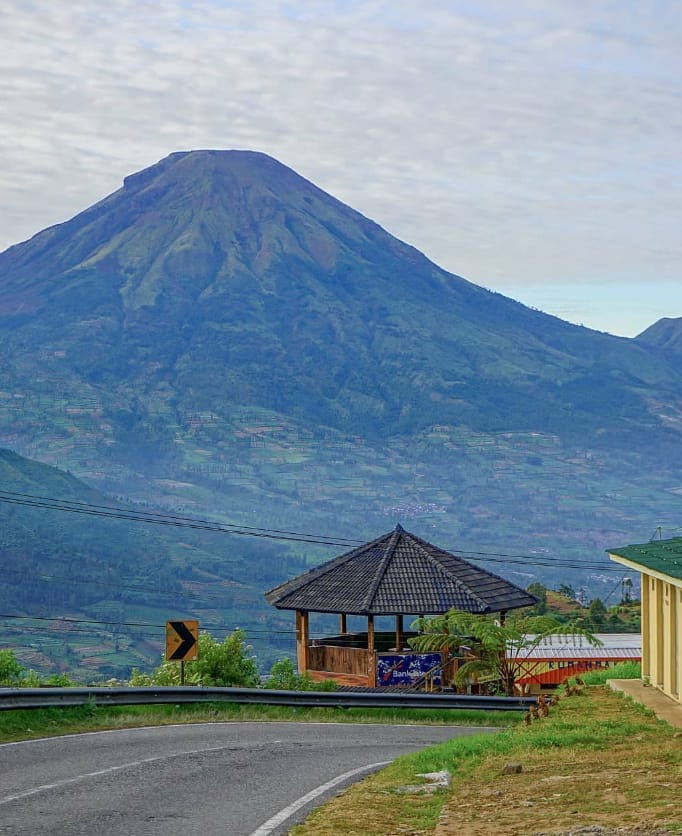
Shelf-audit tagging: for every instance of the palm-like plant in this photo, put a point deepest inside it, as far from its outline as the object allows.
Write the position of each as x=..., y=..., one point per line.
x=499, y=647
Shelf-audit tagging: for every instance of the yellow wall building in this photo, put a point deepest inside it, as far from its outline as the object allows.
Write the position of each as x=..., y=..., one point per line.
x=660, y=565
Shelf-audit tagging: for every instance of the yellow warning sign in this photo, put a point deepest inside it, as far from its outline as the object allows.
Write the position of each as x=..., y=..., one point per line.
x=182, y=641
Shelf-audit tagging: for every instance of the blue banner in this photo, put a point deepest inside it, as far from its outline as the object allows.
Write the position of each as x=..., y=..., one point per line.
x=407, y=668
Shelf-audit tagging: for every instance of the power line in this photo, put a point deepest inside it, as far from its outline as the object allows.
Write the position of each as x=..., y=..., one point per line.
x=68, y=620
x=530, y=560
x=616, y=585
x=64, y=620
x=112, y=512
x=158, y=518
x=211, y=594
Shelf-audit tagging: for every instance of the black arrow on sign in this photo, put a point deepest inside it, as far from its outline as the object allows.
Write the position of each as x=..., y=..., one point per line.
x=188, y=640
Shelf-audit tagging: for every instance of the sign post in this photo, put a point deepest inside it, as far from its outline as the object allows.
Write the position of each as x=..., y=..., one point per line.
x=182, y=643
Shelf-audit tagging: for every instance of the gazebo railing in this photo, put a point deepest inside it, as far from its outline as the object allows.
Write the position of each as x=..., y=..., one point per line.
x=348, y=657
x=339, y=659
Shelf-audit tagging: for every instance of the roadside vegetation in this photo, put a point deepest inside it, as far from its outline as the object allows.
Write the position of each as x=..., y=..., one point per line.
x=220, y=664
x=495, y=651
x=595, y=616
x=597, y=759
x=51, y=722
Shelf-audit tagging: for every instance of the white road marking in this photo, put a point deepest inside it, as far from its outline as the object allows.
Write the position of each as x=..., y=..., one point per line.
x=76, y=778
x=270, y=825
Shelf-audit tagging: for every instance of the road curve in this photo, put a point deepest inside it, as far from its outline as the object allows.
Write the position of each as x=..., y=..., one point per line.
x=212, y=779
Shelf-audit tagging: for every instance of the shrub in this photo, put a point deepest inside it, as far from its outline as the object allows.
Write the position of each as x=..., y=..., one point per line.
x=498, y=650
x=10, y=669
x=284, y=677
x=219, y=664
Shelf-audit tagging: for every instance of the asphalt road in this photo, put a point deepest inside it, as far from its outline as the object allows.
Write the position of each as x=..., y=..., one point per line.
x=216, y=779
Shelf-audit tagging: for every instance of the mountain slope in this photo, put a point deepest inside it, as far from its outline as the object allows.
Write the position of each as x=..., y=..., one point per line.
x=223, y=278
x=666, y=333
x=91, y=594
x=221, y=336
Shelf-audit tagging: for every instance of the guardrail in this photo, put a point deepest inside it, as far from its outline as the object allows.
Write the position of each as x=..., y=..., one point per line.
x=23, y=698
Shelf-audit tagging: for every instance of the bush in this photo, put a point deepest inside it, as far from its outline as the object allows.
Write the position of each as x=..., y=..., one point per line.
x=225, y=663
x=13, y=673
x=219, y=664
x=10, y=669
x=284, y=677
x=32, y=679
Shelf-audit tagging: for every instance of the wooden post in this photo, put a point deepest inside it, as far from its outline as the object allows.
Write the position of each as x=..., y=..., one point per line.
x=398, y=632
x=305, y=620
x=343, y=627
x=507, y=682
x=302, y=640
x=646, y=626
x=371, y=654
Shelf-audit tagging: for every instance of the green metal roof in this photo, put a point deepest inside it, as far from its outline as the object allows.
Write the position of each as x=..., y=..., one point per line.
x=664, y=556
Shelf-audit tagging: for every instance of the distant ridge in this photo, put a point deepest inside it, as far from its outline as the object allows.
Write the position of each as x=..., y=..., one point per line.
x=665, y=333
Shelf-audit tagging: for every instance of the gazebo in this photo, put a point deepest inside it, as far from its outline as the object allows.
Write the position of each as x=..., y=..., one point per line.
x=396, y=575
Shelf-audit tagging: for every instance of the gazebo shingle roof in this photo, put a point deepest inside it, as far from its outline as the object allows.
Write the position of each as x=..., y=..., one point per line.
x=398, y=573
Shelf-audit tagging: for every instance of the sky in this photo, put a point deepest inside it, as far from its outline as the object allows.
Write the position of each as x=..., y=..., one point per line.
x=533, y=147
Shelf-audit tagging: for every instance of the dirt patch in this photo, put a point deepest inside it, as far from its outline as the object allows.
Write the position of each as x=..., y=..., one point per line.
x=634, y=786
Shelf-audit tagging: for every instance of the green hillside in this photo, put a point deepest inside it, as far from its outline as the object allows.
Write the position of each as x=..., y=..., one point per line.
x=221, y=338
x=91, y=595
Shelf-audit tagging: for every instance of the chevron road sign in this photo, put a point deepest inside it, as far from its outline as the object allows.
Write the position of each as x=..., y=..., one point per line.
x=181, y=640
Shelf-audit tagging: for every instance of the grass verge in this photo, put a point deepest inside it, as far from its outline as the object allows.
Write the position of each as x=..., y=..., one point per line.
x=623, y=670
x=598, y=759
x=24, y=725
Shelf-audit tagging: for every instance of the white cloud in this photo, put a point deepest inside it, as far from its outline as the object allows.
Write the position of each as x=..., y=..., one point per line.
x=517, y=144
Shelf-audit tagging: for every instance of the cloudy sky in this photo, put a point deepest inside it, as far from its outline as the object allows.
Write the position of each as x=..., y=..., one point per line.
x=532, y=147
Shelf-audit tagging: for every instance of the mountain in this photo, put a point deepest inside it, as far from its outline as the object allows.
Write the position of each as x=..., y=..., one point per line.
x=214, y=281
x=219, y=336
x=666, y=333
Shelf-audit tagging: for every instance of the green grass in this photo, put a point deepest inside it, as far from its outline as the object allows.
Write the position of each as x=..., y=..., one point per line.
x=24, y=725
x=596, y=753
x=624, y=670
